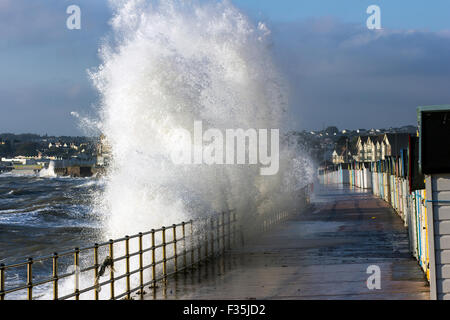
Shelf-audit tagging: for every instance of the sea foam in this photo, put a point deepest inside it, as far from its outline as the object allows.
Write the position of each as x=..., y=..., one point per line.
x=171, y=63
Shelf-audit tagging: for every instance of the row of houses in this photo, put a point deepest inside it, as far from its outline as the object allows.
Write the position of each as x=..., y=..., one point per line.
x=372, y=148
x=72, y=145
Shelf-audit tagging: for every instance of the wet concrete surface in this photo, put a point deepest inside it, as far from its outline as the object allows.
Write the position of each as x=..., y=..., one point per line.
x=322, y=253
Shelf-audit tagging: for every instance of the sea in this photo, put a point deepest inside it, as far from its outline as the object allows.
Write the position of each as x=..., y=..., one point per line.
x=163, y=67
x=40, y=215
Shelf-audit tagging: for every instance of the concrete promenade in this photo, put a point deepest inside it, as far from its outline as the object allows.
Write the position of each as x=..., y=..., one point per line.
x=323, y=253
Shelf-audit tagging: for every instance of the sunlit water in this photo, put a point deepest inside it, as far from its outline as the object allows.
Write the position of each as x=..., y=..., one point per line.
x=38, y=215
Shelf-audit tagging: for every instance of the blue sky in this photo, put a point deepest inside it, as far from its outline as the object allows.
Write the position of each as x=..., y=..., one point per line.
x=413, y=14
x=341, y=73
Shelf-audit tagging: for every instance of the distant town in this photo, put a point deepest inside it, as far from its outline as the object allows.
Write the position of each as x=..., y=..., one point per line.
x=86, y=156
x=334, y=146
x=75, y=156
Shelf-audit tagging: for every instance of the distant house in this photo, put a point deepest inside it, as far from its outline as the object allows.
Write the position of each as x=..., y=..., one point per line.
x=336, y=158
x=373, y=148
x=369, y=150
x=340, y=156
x=103, y=151
x=378, y=147
x=394, y=142
x=364, y=149
x=359, y=156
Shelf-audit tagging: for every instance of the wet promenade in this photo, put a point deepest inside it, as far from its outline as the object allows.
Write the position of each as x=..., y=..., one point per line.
x=323, y=253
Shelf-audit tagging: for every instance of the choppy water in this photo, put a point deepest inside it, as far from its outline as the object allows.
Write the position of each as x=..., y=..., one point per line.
x=39, y=216
x=166, y=66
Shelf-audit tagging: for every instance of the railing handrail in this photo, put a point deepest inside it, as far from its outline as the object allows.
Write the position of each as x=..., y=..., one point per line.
x=213, y=235
x=101, y=244
x=183, y=238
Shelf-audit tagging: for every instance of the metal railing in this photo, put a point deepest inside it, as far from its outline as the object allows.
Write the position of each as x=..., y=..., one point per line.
x=147, y=259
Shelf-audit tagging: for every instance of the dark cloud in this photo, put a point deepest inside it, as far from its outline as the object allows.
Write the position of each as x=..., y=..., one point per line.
x=346, y=75
x=340, y=74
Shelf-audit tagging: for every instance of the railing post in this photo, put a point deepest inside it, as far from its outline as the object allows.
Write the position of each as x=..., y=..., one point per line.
x=206, y=240
x=229, y=229
x=2, y=282
x=175, y=255
x=183, y=230
x=223, y=231
x=192, y=243
x=141, y=266
x=30, y=279
x=153, y=260
x=111, y=270
x=127, y=265
x=263, y=222
x=199, y=240
x=164, y=254
x=76, y=261
x=96, y=280
x=55, y=276
x=234, y=228
x=212, y=236
x=241, y=231
x=218, y=233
